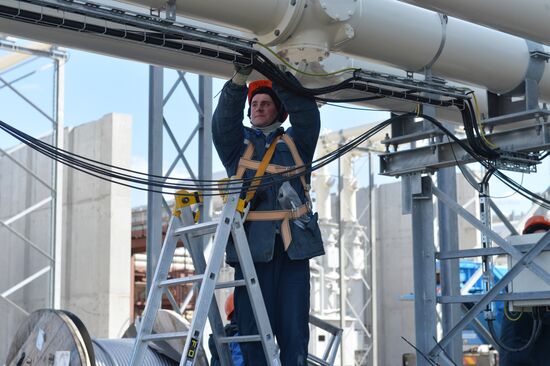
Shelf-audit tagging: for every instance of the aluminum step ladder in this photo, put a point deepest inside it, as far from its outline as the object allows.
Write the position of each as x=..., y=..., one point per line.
x=182, y=226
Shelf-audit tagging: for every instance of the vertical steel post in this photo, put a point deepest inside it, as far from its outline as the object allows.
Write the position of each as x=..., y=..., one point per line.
x=341, y=261
x=205, y=139
x=372, y=268
x=485, y=218
x=57, y=229
x=154, y=200
x=450, y=276
x=424, y=267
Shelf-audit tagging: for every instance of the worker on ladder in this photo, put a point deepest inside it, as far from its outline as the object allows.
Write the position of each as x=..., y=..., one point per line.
x=527, y=346
x=282, y=232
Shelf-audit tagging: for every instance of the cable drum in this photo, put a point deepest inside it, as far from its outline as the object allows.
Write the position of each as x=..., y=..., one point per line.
x=59, y=337
x=118, y=352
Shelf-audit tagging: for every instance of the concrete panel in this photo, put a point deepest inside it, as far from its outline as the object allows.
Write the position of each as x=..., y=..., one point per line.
x=394, y=271
x=96, y=232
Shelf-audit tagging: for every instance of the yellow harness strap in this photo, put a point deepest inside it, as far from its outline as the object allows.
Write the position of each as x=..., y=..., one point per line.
x=261, y=168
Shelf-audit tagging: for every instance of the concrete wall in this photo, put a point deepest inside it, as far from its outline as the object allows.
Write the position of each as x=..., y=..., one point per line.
x=394, y=268
x=96, y=233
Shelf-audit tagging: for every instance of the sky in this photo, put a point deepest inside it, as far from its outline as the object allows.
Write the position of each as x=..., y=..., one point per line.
x=96, y=85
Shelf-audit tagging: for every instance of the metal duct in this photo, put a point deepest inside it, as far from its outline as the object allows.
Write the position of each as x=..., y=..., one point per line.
x=118, y=352
x=526, y=18
x=389, y=31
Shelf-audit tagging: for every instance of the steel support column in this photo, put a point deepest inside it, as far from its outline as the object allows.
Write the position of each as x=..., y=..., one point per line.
x=205, y=139
x=424, y=268
x=449, y=269
x=154, y=200
x=57, y=207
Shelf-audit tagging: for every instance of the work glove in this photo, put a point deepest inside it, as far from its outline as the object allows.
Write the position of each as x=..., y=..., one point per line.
x=242, y=72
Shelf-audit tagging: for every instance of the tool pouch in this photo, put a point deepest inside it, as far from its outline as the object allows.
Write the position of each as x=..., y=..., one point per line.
x=307, y=242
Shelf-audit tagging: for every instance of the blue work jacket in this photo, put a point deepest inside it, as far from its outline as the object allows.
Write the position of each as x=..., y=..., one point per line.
x=230, y=138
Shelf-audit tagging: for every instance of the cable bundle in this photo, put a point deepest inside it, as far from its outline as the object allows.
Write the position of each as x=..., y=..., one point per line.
x=154, y=183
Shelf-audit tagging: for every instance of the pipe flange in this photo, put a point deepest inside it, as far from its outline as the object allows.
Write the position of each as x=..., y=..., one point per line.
x=340, y=10
x=286, y=26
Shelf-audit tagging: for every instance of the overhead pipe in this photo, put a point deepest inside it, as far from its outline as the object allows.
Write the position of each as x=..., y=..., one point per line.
x=528, y=18
x=389, y=31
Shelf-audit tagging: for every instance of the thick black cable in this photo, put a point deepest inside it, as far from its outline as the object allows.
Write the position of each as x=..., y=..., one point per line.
x=535, y=333
x=489, y=166
x=74, y=161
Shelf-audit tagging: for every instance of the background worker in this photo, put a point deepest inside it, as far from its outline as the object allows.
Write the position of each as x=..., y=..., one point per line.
x=517, y=330
x=281, y=262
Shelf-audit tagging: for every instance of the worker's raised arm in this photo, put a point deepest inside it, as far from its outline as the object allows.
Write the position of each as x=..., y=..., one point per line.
x=304, y=118
x=227, y=126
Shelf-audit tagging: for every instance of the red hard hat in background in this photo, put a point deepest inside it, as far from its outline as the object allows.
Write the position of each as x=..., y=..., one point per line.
x=534, y=223
x=230, y=306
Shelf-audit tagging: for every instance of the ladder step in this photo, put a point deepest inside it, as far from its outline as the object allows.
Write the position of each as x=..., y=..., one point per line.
x=179, y=281
x=237, y=283
x=240, y=339
x=201, y=229
x=314, y=360
x=164, y=336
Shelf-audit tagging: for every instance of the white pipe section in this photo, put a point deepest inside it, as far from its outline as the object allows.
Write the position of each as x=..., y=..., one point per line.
x=402, y=35
x=527, y=18
x=390, y=31
x=348, y=194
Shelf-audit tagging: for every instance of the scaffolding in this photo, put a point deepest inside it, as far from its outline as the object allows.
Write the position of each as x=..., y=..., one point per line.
x=34, y=58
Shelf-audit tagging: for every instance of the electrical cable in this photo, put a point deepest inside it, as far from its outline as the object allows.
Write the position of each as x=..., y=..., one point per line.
x=287, y=64
x=444, y=352
x=535, y=333
x=119, y=175
x=509, y=316
x=541, y=201
x=431, y=362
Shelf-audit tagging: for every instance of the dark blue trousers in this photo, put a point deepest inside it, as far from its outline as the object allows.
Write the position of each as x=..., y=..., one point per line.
x=516, y=334
x=285, y=289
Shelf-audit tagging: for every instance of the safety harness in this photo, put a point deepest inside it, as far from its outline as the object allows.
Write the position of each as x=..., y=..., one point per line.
x=263, y=167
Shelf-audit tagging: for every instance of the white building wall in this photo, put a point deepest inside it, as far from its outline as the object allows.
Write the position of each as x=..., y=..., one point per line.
x=96, y=233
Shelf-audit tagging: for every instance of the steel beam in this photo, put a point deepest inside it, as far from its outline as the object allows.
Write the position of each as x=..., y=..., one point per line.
x=57, y=214
x=205, y=139
x=424, y=269
x=429, y=158
x=504, y=244
x=524, y=261
x=450, y=272
x=154, y=200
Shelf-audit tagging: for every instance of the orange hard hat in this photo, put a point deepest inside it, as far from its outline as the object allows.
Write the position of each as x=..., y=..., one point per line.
x=230, y=306
x=537, y=222
x=266, y=87
x=254, y=85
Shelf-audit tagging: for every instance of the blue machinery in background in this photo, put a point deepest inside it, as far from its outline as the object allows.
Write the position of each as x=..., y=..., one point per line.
x=471, y=277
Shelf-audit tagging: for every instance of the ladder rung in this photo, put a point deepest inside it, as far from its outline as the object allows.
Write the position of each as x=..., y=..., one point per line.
x=316, y=360
x=237, y=283
x=240, y=339
x=201, y=229
x=179, y=281
x=163, y=336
